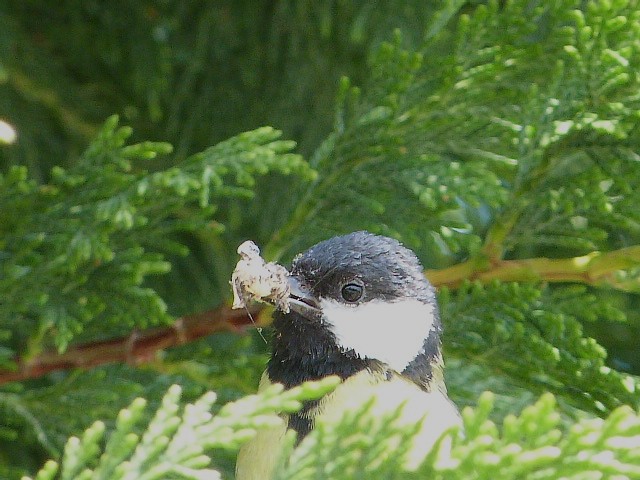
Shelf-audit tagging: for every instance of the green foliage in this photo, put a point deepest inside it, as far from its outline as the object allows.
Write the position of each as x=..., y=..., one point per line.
x=533, y=444
x=105, y=226
x=483, y=132
x=499, y=117
x=177, y=440
x=348, y=452
x=54, y=412
x=534, y=336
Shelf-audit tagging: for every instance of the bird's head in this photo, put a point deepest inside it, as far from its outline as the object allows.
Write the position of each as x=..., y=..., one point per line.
x=357, y=301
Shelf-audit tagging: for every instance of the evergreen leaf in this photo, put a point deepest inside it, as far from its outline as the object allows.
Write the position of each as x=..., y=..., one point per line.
x=535, y=339
x=104, y=227
x=178, y=440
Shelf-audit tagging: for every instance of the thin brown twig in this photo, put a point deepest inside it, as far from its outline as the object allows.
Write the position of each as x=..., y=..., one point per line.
x=136, y=348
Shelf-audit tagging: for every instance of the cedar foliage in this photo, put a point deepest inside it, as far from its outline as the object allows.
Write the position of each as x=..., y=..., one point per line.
x=499, y=140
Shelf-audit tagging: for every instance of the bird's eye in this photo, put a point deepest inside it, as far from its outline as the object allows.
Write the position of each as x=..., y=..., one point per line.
x=352, y=292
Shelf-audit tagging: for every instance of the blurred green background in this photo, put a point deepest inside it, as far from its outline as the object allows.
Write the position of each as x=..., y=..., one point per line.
x=194, y=73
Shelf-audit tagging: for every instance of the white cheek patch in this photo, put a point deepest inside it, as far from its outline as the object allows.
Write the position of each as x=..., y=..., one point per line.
x=392, y=332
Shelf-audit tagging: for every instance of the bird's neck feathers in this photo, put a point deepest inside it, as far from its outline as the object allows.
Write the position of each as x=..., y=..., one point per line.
x=427, y=369
x=305, y=350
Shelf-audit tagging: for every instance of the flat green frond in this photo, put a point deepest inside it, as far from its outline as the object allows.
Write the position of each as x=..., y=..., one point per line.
x=535, y=445
x=448, y=134
x=104, y=226
x=498, y=139
x=356, y=448
x=534, y=337
x=532, y=443
x=177, y=441
x=579, y=217
x=48, y=415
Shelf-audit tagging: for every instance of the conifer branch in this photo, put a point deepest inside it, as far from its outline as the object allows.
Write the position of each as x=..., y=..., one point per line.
x=596, y=268
x=136, y=348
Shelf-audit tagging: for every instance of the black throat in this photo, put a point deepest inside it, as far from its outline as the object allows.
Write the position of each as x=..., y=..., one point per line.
x=305, y=350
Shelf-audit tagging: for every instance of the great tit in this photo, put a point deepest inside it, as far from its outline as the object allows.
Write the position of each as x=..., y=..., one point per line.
x=359, y=308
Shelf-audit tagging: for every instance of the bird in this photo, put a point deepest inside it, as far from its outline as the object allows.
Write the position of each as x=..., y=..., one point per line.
x=360, y=308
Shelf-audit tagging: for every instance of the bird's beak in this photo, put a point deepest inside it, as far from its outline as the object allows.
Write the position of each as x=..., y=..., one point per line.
x=302, y=301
